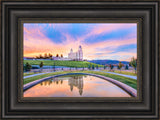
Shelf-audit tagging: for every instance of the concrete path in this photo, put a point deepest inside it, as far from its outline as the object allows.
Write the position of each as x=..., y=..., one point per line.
x=129, y=76
x=35, y=75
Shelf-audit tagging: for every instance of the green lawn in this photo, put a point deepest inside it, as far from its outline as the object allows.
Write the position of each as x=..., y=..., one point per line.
x=27, y=80
x=123, y=72
x=126, y=73
x=31, y=73
x=128, y=81
x=61, y=63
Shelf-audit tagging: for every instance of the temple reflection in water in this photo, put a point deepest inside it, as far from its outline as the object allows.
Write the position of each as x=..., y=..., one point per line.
x=75, y=86
x=76, y=81
x=73, y=81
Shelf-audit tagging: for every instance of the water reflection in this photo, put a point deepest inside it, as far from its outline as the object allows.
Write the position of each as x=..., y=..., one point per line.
x=76, y=81
x=73, y=81
x=75, y=86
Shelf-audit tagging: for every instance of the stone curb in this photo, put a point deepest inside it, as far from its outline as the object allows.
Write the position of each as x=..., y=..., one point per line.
x=128, y=89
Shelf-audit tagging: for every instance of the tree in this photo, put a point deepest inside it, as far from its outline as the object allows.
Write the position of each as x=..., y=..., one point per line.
x=37, y=57
x=92, y=67
x=126, y=67
x=40, y=56
x=133, y=63
x=27, y=67
x=97, y=67
x=120, y=65
x=89, y=66
x=50, y=55
x=111, y=67
x=61, y=55
x=57, y=55
x=45, y=56
x=104, y=67
x=41, y=65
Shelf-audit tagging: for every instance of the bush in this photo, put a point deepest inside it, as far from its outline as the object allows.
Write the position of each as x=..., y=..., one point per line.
x=118, y=67
x=105, y=67
x=126, y=67
x=41, y=65
x=27, y=67
x=89, y=67
x=92, y=67
x=97, y=67
x=111, y=66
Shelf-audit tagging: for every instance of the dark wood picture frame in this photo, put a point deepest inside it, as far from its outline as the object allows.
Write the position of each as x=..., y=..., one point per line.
x=145, y=13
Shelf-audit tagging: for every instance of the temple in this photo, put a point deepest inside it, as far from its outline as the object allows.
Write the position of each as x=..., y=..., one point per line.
x=76, y=55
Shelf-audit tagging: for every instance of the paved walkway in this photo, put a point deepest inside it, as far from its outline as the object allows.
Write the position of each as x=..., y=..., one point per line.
x=35, y=75
x=129, y=76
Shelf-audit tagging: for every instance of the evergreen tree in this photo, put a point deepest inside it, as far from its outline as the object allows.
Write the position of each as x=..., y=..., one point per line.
x=126, y=67
x=41, y=65
x=27, y=67
x=89, y=66
x=92, y=67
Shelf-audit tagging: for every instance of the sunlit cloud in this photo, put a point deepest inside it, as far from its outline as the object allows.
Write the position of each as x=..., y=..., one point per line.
x=39, y=40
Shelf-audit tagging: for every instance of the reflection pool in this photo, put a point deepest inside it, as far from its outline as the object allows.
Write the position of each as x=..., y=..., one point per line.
x=76, y=86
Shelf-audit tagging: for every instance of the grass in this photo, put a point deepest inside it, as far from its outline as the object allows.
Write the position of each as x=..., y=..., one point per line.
x=128, y=81
x=123, y=72
x=61, y=63
x=30, y=79
x=126, y=73
x=31, y=73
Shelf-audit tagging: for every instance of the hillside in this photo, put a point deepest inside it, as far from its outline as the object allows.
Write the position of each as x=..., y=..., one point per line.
x=61, y=63
x=103, y=62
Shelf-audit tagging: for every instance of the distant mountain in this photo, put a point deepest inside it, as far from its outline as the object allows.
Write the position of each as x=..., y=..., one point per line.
x=103, y=62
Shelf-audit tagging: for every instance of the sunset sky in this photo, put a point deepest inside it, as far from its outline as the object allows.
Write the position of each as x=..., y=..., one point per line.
x=115, y=41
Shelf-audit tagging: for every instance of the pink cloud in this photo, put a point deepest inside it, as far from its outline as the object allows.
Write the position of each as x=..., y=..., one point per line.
x=107, y=28
x=36, y=42
x=110, y=27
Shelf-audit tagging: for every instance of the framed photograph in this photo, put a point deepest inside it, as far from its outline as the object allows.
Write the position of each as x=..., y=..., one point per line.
x=80, y=59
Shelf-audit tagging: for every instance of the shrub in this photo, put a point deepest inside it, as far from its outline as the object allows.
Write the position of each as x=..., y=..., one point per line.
x=27, y=67
x=126, y=67
x=92, y=67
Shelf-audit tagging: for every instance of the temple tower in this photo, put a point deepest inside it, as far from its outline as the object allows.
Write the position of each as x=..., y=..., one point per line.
x=80, y=53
